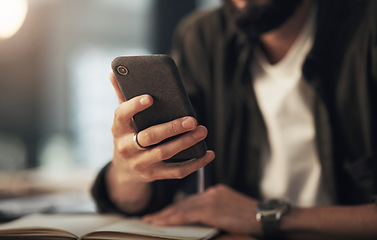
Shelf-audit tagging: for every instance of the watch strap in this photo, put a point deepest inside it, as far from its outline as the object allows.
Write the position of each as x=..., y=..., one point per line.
x=270, y=227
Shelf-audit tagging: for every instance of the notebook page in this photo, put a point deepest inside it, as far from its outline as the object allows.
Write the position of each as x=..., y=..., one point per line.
x=136, y=226
x=77, y=224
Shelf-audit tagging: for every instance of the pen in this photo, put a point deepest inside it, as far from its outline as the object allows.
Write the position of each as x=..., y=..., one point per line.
x=200, y=176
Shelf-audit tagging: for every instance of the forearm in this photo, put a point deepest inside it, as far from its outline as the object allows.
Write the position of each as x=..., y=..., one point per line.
x=130, y=197
x=348, y=222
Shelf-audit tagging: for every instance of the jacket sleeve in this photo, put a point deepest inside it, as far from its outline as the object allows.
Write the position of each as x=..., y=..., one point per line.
x=163, y=192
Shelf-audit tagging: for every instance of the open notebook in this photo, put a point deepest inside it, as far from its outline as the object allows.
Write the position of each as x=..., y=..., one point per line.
x=96, y=226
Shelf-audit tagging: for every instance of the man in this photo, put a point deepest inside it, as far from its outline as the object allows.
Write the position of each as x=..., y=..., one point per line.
x=286, y=91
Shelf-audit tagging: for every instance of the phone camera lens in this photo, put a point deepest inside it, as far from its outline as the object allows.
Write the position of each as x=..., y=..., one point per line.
x=122, y=70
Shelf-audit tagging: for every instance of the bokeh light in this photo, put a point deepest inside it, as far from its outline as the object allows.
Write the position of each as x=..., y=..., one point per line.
x=12, y=16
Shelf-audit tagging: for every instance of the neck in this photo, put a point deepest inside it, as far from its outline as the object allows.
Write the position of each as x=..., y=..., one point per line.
x=276, y=43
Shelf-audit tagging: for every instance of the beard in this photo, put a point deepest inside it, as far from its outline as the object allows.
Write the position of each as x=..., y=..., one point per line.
x=254, y=19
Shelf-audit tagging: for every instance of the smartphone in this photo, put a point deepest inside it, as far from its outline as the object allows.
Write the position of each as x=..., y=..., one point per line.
x=158, y=76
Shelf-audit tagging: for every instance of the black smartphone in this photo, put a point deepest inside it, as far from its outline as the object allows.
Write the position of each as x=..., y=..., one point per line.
x=158, y=76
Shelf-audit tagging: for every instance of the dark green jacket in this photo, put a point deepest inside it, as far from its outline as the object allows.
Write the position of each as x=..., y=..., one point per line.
x=214, y=60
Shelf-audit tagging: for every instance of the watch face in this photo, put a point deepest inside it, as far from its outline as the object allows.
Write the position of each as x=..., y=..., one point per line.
x=272, y=204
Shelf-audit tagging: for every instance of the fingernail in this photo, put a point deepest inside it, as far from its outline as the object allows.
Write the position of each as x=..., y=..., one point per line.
x=211, y=157
x=144, y=101
x=200, y=132
x=188, y=123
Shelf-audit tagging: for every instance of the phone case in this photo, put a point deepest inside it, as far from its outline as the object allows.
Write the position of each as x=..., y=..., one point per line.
x=158, y=76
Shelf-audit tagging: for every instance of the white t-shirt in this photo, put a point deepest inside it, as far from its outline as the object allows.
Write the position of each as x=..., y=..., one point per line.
x=290, y=164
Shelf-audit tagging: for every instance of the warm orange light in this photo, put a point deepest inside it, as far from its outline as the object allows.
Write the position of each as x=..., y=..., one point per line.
x=12, y=16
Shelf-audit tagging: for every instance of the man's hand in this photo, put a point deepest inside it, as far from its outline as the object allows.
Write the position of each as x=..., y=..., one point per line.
x=132, y=169
x=228, y=210
x=219, y=207
x=136, y=165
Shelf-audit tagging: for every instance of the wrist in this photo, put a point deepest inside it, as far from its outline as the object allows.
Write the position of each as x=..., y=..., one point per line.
x=125, y=191
x=121, y=175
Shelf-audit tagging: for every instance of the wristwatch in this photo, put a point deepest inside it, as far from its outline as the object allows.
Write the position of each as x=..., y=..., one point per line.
x=269, y=213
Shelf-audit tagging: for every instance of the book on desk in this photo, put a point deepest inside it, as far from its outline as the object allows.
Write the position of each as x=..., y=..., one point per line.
x=96, y=226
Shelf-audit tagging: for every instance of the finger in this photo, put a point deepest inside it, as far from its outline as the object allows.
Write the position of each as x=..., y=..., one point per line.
x=185, y=212
x=183, y=169
x=155, y=217
x=158, y=133
x=162, y=170
x=195, y=209
x=167, y=211
x=116, y=88
x=170, y=148
x=186, y=203
x=181, y=218
x=126, y=110
x=159, y=218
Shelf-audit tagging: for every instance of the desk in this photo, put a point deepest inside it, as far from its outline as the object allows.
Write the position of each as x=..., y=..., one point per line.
x=234, y=237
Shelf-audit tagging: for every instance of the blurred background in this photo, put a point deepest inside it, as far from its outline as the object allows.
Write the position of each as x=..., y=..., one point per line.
x=56, y=102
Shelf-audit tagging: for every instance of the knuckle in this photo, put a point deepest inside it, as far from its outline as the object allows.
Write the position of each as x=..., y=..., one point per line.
x=136, y=165
x=175, y=127
x=133, y=104
x=114, y=130
x=179, y=174
x=209, y=195
x=148, y=175
x=120, y=115
x=117, y=113
x=213, y=190
x=120, y=147
x=160, y=154
x=220, y=187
